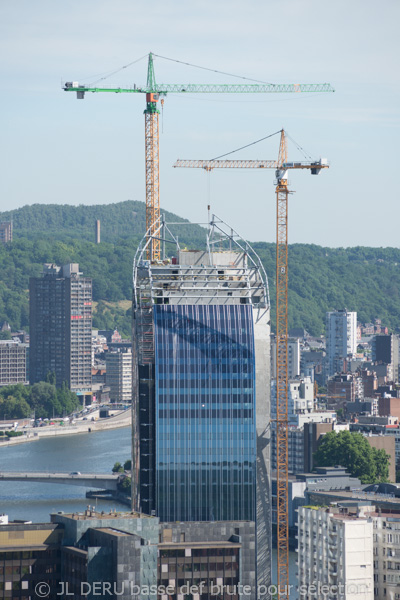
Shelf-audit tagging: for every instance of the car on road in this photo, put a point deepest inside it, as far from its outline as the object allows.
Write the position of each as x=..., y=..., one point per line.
x=75, y=473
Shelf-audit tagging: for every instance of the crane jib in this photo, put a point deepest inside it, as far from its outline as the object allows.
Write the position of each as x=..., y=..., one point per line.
x=269, y=88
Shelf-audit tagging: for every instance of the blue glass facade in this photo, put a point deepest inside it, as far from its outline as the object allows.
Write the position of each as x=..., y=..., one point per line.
x=205, y=412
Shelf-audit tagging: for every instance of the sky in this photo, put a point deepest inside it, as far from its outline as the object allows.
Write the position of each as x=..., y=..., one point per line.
x=55, y=149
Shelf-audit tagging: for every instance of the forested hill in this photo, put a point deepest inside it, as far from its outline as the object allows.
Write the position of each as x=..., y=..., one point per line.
x=122, y=220
x=363, y=279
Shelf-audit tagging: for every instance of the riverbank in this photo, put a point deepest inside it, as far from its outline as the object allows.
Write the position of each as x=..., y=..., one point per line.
x=32, y=434
x=7, y=442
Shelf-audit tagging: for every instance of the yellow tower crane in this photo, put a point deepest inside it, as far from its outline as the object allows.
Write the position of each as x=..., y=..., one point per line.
x=281, y=167
x=153, y=92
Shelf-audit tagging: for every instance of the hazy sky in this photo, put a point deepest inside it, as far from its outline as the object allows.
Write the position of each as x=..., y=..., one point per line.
x=55, y=149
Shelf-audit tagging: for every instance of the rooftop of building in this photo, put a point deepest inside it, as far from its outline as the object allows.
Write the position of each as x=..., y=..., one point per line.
x=88, y=515
x=112, y=531
x=199, y=545
x=359, y=495
x=226, y=270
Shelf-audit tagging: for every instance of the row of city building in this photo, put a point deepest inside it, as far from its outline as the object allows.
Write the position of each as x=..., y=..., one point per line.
x=127, y=555
x=200, y=431
x=201, y=427
x=61, y=340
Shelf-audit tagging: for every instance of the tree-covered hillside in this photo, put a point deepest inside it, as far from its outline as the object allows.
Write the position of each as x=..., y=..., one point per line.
x=363, y=279
x=122, y=220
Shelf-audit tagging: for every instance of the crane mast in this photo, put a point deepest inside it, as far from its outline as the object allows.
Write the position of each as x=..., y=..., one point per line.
x=153, y=92
x=152, y=145
x=282, y=195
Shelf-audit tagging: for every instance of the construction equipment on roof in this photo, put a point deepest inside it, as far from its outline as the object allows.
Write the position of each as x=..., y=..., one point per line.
x=153, y=92
x=282, y=166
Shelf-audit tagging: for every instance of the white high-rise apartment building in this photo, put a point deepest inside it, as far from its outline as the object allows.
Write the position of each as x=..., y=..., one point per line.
x=119, y=375
x=293, y=358
x=341, y=338
x=335, y=547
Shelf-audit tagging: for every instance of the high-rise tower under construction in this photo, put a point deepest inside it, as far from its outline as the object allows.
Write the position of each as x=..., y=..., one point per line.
x=201, y=371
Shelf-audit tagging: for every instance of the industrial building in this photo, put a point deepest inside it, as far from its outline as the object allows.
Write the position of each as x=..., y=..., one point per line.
x=60, y=303
x=201, y=363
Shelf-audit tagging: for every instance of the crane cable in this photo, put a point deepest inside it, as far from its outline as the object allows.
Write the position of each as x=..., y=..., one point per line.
x=305, y=154
x=212, y=70
x=247, y=146
x=109, y=74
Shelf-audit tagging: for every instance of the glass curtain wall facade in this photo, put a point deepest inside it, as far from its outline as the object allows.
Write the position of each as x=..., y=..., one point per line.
x=200, y=386
x=205, y=413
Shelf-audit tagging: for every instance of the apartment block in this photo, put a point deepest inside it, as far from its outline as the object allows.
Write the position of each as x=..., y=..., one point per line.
x=13, y=356
x=61, y=327
x=341, y=338
x=119, y=375
x=385, y=350
x=335, y=553
x=293, y=346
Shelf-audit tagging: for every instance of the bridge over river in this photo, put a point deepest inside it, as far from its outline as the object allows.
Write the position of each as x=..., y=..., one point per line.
x=91, y=480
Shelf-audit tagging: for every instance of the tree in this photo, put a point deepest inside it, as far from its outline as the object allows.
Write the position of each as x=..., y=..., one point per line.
x=118, y=468
x=14, y=408
x=67, y=400
x=125, y=485
x=352, y=450
x=127, y=465
x=44, y=400
x=382, y=464
x=51, y=378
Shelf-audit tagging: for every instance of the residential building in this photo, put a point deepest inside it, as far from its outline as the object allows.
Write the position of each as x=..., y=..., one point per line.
x=201, y=368
x=335, y=553
x=61, y=327
x=301, y=415
x=6, y=232
x=119, y=375
x=324, y=478
x=370, y=382
x=385, y=350
x=341, y=338
x=303, y=440
x=13, y=356
x=300, y=398
x=293, y=346
x=312, y=364
x=343, y=388
x=387, y=405
x=359, y=543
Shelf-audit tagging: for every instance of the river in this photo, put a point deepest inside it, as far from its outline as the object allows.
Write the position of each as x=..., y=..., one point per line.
x=88, y=453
